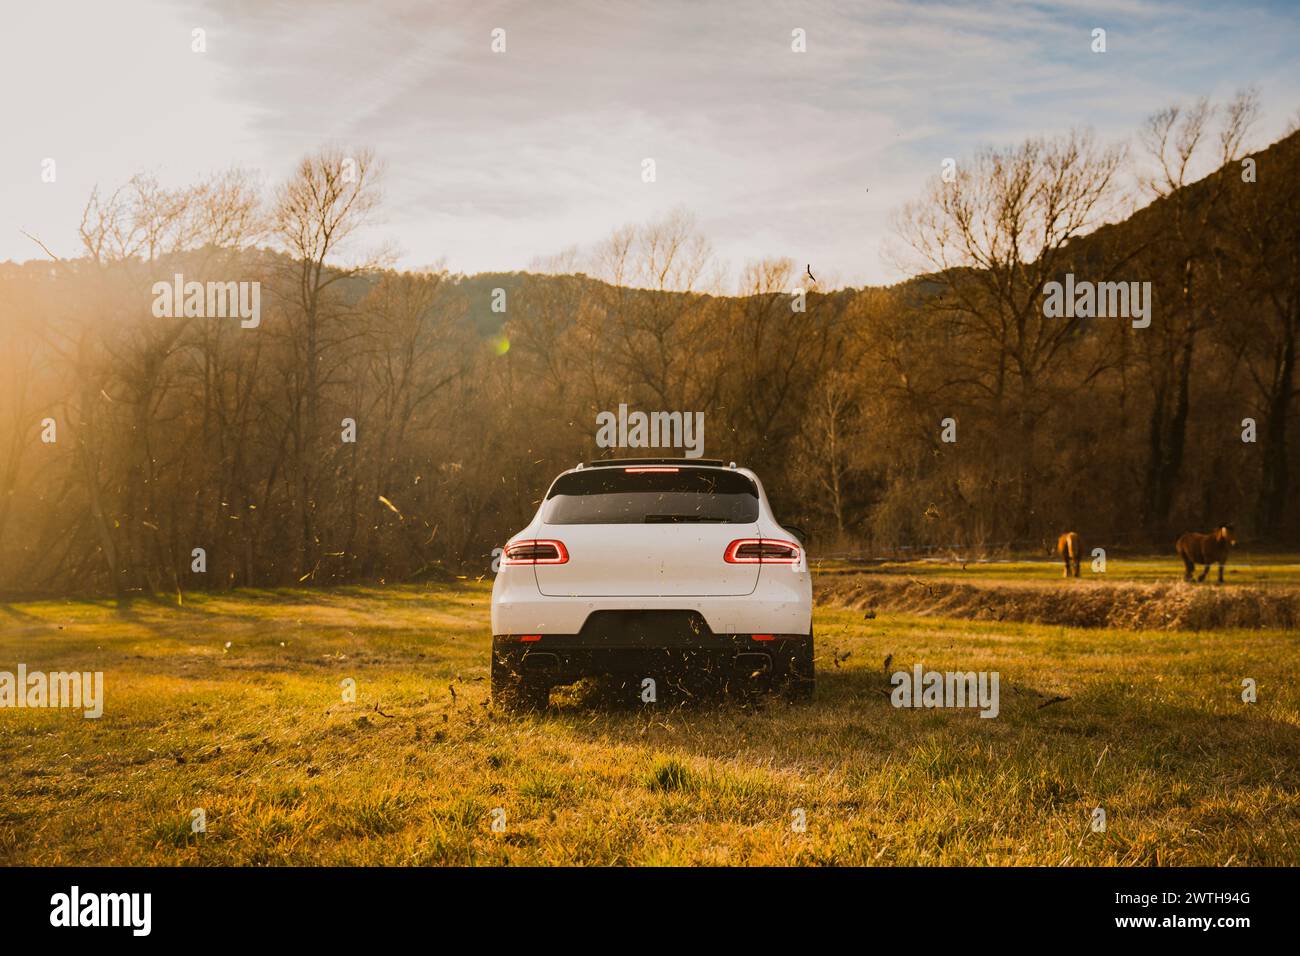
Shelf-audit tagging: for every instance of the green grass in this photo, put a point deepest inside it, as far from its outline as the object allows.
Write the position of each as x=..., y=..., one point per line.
x=258, y=736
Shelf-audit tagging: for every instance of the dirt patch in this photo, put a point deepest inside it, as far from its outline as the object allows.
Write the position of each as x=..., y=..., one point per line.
x=1190, y=607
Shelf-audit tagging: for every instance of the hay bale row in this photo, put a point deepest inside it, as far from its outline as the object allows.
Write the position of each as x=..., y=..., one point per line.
x=1131, y=606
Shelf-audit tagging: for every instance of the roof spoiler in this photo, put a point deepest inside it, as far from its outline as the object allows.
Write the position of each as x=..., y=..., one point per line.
x=624, y=462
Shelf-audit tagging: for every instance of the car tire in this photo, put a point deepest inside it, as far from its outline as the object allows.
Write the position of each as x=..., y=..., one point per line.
x=514, y=693
x=801, y=681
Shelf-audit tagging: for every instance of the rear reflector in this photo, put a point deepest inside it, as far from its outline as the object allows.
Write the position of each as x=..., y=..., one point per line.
x=530, y=637
x=762, y=637
x=761, y=551
x=535, y=551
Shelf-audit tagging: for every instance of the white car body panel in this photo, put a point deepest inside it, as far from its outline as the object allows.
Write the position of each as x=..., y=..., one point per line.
x=648, y=560
x=655, y=567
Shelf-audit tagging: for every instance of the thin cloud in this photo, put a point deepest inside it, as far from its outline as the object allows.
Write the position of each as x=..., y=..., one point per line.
x=496, y=159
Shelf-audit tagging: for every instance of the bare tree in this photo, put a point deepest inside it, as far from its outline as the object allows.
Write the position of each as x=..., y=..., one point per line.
x=991, y=239
x=1180, y=146
x=1259, y=249
x=316, y=214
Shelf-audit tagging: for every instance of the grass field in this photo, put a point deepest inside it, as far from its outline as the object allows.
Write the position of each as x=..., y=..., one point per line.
x=256, y=734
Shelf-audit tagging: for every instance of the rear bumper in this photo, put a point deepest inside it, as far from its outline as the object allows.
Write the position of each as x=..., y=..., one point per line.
x=564, y=658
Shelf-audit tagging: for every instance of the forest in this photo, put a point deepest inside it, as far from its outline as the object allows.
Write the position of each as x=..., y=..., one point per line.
x=377, y=424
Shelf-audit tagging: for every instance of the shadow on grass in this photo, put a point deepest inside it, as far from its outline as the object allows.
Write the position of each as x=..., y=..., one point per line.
x=20, y=617
x=1195, y=753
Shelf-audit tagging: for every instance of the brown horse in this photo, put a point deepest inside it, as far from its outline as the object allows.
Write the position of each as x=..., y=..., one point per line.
x=1206, y=549
x=1068, y=547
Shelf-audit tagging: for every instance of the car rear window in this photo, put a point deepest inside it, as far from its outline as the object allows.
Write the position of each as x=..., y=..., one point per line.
x=622, y=496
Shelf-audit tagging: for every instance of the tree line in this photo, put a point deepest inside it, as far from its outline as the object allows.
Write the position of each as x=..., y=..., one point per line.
x=378, y=424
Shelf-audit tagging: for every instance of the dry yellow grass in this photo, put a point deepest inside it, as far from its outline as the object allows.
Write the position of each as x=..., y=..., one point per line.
x=258, y=737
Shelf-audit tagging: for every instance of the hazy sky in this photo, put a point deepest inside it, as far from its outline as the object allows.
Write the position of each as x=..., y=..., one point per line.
x=494, y=159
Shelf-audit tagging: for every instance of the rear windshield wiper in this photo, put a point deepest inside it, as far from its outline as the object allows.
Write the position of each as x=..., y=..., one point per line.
x=665, y=519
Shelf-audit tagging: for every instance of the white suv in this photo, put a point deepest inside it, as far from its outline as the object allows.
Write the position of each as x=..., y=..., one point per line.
x=654, y=568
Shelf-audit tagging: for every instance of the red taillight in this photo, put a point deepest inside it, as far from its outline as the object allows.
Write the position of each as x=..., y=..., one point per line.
x=761, y=551
x=535, y=552
x=530, y=637
x=763, y=637
x=644, y=470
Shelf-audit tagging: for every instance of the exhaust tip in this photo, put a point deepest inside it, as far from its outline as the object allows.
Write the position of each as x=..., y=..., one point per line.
x=540, y=661
x=754, y=663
